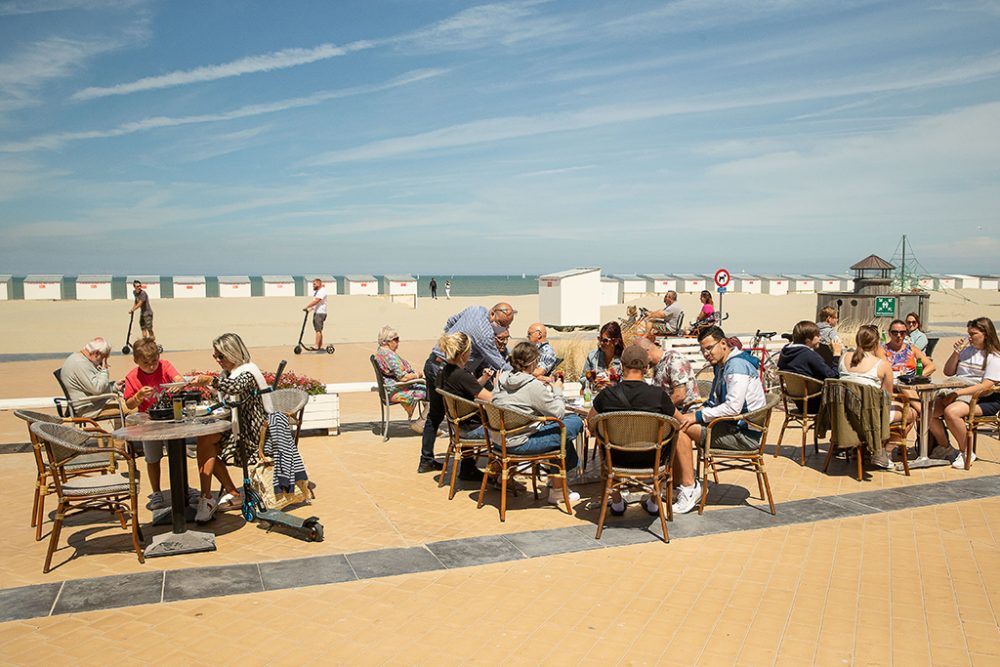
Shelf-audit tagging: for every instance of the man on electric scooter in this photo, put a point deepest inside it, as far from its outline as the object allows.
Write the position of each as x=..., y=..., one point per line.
x=318, y=306
x=141, y=303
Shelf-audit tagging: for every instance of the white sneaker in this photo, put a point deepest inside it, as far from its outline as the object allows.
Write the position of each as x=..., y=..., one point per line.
x=959, y=462
x=206, y=510
x=156, y=501
x=687, y=498
x=556, y=496
x=881, y=460
x=230, y=501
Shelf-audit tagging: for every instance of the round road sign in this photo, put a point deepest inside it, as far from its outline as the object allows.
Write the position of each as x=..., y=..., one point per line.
x=722, y=278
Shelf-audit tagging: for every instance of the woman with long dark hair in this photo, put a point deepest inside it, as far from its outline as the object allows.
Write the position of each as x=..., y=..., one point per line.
x=605, y=361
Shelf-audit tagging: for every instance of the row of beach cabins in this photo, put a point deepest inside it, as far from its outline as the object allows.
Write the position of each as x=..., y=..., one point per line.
x=622, y=288
x=615, y=289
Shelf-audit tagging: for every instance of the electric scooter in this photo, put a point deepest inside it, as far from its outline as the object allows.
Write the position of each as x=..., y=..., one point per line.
x=303, y=346
x=127, y=349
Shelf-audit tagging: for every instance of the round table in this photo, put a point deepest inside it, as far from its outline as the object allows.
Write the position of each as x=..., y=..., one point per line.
x=139, y=428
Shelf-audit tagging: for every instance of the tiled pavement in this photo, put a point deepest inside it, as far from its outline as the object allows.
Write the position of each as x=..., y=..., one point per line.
x=907, y=573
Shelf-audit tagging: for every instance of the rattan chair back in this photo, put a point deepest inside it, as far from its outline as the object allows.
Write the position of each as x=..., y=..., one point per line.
x=634, y=431
x=63, y=442
x=796, y=387
x=289, y=400
x=505, y=422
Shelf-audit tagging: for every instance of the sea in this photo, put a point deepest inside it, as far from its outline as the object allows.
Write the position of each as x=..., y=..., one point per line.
x=478, y=285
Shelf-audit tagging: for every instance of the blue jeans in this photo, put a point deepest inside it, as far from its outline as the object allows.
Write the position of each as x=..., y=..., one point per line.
x=546, y=439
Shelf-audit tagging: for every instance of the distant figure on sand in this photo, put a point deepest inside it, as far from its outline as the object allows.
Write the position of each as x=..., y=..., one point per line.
x=141, y=303
x=447, y=289
x=319, y=314
x=434, y=288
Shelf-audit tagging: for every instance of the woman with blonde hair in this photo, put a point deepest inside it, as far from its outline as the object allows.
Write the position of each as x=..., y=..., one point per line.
x=395, y=369
x=240, y=381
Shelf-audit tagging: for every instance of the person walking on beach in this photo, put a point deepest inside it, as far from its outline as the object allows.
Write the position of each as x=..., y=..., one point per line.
x=477, y=323
x=141, y=303
x=318, y=306
x=434, y=288
x=447, y=289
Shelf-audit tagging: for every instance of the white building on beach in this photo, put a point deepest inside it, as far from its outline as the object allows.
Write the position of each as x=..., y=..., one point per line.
x=745, y=283
x=774, y=285
x=401, y=289
x=633, y=286
x=151, y=284
x=278, y=285
x=830, y=283
x=42, y=287
x=189, y=287
x=611, y=291
x=661, y=283
x=234, y=286
x=364, y=285
x=801, y=284
x=566, y=298
x=690, y=283
x=965, y=282
x=5, y=287
x=93, y=288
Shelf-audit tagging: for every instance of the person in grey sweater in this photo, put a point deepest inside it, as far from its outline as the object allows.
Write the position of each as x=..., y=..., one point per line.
x=520, y=390
x=85, y=374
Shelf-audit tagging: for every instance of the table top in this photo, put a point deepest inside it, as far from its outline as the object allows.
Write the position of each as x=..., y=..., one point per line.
x=578, y=409
x=146, y=429
x=935, y=384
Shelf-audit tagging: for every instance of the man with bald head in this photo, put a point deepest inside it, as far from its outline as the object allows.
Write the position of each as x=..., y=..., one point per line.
x=538, y=336
x=478, y=324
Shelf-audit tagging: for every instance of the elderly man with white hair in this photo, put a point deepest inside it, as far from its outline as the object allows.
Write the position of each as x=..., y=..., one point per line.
x=85, y=374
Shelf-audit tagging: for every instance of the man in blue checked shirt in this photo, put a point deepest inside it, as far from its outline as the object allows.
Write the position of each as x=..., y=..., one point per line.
x=477, y=323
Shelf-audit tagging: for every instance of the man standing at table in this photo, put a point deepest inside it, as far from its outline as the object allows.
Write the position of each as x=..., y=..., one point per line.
x=319, y=314
x=141, y=302
x=477, y=323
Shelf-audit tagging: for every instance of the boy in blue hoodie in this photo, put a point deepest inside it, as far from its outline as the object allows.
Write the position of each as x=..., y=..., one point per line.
x=736, y=389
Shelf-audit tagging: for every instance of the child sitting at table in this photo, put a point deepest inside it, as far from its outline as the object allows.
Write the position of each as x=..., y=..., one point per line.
x=142, y=388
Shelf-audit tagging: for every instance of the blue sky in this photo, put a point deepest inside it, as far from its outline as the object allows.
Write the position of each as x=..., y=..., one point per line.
x=227, y=137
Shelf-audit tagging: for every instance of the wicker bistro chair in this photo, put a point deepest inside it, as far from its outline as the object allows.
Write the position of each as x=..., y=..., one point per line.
x=292, y=401
x=972, y=424
x=501, y=423
x=897, y=431
x=457, y=411
x=797, y=391
x=113, y=410
x=383, y=396
x=85, y=464
x=638, y=432
x=116, y=493
x=753, y=460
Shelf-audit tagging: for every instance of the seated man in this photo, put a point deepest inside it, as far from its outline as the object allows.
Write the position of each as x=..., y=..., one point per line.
x=538, y=336
x=800, y=357
x=736, y=389
x=672, y=373
x=632, y=393
x=672, y=315
x=85, y=374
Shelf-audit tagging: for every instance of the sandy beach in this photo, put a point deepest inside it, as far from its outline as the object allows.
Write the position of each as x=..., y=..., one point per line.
x=270, y=327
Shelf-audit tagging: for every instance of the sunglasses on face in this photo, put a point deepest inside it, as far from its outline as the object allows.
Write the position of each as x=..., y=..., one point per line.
x=605, y=341
x=897, y=332
x=218, y=357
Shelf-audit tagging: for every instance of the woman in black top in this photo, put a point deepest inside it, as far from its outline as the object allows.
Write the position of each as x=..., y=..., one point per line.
x=455, y=379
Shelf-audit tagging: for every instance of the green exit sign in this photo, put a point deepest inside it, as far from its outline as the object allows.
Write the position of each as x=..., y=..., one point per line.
x=885, y=306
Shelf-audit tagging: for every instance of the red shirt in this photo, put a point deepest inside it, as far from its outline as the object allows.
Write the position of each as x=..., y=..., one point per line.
x=137, y=379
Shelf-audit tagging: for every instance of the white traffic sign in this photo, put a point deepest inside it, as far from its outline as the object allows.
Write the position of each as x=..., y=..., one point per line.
x=722, y=278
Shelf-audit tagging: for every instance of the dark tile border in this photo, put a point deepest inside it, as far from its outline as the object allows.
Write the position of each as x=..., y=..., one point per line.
x=89, y=594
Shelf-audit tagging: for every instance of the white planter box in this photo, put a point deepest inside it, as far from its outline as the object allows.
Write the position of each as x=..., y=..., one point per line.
x=322, y=412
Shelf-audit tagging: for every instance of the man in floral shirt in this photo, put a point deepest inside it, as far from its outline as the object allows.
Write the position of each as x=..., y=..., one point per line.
x=672, y=372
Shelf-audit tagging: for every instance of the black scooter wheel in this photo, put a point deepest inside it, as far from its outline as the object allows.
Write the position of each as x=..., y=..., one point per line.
x=298, y=349
x=316, y=534
x=330, y=349
x=126, y=350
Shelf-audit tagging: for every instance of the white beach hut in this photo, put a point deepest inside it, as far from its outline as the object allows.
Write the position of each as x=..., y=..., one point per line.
x=965, y=282
x=775, y=285
x=360, y=284
x=661, y=283
x=989, y=282
x=828, y=283
x=278, y=285
x=745, y=283
x=42, y=287
x=611, y=291
x=329, y=282
x=189, y=287
x=149, y=283
x=566, y=298
x=690, y=283
x=925, y=283
x=944, y=282
x=401, y=289
x=633, y=286
x=93, y=288
x=5, y=287
x=234, y=286
x=801, y=284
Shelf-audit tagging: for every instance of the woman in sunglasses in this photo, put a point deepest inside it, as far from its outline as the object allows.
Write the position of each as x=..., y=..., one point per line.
x=915, y=336
x=240, y=381
x=395, y=369
x=976, y=361
x=605, y=361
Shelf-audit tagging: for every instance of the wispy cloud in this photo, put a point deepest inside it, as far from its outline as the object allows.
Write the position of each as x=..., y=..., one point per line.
x=514, y=127
x=267, y=62
x=20, y=7
x=51, y=141
x=553, y=172
x=502, y=23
